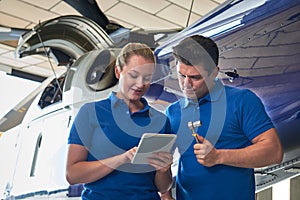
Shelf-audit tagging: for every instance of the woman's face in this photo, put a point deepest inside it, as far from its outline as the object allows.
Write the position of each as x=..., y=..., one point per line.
x=134, y=79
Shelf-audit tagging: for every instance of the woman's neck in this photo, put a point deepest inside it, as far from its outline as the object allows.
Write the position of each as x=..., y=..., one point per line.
x=133, y=106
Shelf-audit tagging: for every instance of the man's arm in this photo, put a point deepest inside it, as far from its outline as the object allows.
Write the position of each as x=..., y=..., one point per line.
x=265, y=150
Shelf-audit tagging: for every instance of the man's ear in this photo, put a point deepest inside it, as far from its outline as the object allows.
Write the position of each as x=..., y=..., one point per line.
x=117, y=72
x=215, y=72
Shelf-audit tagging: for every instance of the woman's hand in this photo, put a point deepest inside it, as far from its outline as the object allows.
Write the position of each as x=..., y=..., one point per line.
x=127, y=156
x=161, y=161
x=166, y=196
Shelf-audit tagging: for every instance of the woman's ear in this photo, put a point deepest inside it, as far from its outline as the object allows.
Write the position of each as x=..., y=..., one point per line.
x=117, y=72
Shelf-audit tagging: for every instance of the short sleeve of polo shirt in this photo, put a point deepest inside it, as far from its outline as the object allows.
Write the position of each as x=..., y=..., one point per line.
x=82, y=129
x=254, y=119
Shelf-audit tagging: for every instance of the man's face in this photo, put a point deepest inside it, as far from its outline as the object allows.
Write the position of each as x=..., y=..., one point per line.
x=194, y=81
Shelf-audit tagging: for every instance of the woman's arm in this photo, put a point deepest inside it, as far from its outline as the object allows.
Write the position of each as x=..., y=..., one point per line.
x=79, y=170
x=162, y=161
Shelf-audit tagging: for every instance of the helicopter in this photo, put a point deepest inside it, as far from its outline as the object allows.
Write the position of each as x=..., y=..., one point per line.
x=259, y=50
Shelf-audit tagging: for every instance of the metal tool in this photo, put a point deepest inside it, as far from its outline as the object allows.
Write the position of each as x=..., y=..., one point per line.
x=192, y=126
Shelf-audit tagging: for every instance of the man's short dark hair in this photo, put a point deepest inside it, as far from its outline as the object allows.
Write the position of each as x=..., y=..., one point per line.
x=197, y=50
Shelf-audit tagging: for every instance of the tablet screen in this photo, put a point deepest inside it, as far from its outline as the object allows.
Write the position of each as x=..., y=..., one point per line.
x=152, y=142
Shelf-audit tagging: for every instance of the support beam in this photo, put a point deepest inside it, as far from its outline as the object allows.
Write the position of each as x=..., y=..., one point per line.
x=295, y=188
x=264, y=195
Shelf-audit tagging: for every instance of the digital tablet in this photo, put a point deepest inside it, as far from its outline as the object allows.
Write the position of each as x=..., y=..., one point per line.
x=152, y=142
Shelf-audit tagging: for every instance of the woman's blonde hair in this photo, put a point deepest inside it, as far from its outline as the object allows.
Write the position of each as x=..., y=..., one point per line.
x=132, y=49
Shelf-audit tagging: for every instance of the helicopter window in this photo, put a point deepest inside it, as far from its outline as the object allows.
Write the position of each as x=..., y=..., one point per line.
x=35, y=156
x=52, y=93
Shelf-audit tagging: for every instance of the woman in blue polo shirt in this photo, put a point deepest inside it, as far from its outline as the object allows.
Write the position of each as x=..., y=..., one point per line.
x=104, y=136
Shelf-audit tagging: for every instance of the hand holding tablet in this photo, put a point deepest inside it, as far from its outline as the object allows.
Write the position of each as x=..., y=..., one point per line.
x=152, y=142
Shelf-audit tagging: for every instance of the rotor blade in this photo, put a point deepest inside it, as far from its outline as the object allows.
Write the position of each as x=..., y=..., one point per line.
x=7, y=33
x=91, y=10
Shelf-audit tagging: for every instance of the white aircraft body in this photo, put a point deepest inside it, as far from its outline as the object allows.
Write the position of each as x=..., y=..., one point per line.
x=259, y=47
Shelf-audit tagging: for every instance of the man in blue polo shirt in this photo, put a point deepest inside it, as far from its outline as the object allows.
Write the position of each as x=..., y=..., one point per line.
x=236, y=133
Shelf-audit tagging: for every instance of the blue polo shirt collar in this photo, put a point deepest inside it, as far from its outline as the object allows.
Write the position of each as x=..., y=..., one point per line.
x=115, y=102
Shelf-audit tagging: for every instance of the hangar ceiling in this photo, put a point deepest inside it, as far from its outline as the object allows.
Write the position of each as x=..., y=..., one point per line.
x=132, y=14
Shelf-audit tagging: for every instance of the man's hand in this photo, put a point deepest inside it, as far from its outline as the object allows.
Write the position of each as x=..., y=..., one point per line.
x=205, y=152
